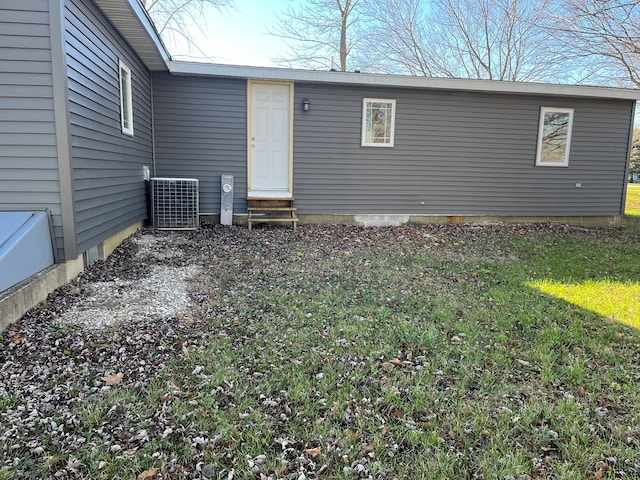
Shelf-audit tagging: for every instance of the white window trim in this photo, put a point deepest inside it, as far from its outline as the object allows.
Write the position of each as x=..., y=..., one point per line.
x=543, y=111
x=127, y=130
x=363, y=142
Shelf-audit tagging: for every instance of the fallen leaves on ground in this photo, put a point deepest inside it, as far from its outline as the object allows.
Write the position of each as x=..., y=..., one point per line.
x=363, y=396
x=149, y=474
x=113, y=379
x=312, y=452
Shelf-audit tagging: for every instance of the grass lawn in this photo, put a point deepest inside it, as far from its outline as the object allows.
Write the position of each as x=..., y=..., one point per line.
x=633, y=199
x=411, y=352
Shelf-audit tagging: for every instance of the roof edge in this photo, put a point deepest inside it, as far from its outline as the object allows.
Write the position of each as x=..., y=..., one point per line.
x=382, y=80
x=150, y=28
x=138, y=9
x=146, y=40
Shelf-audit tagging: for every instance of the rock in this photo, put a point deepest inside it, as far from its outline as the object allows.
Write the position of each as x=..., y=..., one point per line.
x=208, y=471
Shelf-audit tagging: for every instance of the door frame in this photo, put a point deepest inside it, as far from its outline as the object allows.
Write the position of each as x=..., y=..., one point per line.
x=250, y=84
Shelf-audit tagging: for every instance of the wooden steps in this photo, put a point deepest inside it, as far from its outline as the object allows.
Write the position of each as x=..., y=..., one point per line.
x=271, y=210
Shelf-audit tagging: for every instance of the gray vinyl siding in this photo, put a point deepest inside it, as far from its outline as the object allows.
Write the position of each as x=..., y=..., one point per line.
x=200, y=132
x=28, y=154
x=455, y=154
x=109, y=189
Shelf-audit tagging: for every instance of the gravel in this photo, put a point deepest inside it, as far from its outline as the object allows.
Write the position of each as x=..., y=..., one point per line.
x=163, y=294
x=128, y=315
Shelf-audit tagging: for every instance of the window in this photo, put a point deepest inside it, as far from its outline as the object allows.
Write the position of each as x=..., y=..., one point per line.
x=554, y=137
x=126, y=102
x=378, y=122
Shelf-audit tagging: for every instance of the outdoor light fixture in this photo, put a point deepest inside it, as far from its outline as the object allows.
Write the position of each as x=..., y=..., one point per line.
x=305, y=104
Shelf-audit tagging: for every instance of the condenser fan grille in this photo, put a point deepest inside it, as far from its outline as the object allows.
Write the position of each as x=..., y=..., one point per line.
x=174, y=203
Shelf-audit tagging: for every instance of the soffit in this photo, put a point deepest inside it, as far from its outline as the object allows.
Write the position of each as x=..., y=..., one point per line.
x=131, y=19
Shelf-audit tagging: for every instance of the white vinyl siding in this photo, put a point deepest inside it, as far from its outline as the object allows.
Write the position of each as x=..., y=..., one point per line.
x=378, y=122
x=126, y=102
x=554, y=137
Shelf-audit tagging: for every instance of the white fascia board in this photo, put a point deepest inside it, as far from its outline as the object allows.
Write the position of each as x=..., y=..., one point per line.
x=378, y=80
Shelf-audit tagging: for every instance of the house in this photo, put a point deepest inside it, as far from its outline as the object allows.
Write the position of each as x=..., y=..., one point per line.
x=75, y=131
x=91, y=104
x=355, y=147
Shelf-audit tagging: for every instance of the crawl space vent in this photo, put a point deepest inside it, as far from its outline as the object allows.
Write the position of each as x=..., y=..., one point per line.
x=174, y=203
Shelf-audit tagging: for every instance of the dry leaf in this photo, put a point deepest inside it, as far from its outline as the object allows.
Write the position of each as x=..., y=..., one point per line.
x=523, y=363
x=312, y=452
x=369, y=448
x=397, y=362
x=17, y=339
x=149, y=474
x=387, y=366
x=354, y=436
x=113, y=379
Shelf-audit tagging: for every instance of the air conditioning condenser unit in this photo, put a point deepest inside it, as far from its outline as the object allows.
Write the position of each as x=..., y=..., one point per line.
x=174, y=203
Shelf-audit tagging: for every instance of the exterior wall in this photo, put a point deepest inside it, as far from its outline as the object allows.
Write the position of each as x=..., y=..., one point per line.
x=201, y=132
x=456, y=154
x=107, y=166
x=17, y=300
x=28, y=155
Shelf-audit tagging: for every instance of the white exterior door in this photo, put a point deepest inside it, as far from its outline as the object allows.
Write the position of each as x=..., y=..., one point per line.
x=269, y=153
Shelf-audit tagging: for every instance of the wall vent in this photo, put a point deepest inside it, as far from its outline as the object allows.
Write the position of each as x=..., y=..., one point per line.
x=174, y=203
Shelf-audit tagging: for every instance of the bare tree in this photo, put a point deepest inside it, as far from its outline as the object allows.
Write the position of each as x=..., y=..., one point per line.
x=482, y=39
x=398, y=41
x=607, y=31
x=174, y=18
x=319, y=32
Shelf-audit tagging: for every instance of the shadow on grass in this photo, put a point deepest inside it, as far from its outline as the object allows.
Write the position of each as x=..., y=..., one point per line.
x=385, y=353
x=599, y=274
x=616, y=301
